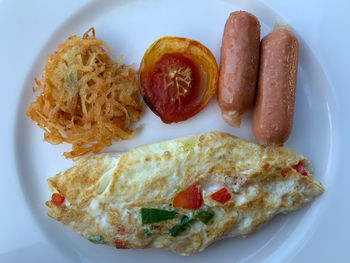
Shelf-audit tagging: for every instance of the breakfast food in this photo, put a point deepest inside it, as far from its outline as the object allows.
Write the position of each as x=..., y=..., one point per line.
x=181, y=194
x=85, y=99
x=178, y=77
x=274, y=107
x=238, y=66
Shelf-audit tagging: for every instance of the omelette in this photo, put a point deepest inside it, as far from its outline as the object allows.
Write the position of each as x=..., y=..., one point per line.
x=181, y=194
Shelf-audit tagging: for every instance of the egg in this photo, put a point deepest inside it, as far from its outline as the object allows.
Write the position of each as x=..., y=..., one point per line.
x=181, y=194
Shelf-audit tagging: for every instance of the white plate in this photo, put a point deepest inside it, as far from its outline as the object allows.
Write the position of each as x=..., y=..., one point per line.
x=31, y=31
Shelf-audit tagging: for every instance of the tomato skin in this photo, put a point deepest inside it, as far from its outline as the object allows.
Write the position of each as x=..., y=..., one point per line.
x=191, y=198
x=57, y=199
x=299, y=167
x=221, y=196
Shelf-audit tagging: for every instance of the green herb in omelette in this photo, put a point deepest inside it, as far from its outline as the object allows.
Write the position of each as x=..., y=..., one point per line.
x=179, y=229
x=97, y=239
x=204, y=215
x=154, y=215
x=147, y=232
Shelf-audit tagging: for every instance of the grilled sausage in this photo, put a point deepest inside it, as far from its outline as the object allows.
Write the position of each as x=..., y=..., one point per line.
x=274, y=106
x=238, y=66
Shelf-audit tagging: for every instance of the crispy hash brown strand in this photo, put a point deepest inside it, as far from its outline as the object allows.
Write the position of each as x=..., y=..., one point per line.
x=85, y=98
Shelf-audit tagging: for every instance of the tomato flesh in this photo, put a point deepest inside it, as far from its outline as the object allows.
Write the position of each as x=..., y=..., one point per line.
x=221, y=196
x=174, y=93
x=300, y=168
x=121, y=229
x=285, y=171
x=156, y=227
x=190, y=198
x=178, y=77
x=119, y=244
x=57, y=199
x=266, y=166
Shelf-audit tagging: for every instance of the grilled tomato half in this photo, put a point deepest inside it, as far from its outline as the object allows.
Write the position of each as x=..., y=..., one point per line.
x=178, y=77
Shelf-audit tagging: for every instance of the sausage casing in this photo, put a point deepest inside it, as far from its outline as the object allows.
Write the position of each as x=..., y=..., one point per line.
x=274, y=106
x=238, y=66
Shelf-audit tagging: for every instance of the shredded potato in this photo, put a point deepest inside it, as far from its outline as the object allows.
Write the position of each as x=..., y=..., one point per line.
x=85, y=98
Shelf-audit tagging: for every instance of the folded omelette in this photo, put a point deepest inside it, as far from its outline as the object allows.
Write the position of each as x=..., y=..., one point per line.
x=181, y=194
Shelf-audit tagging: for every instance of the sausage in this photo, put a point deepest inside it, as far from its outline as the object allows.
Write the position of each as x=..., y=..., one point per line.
x=238, y=66
x=274, y=106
